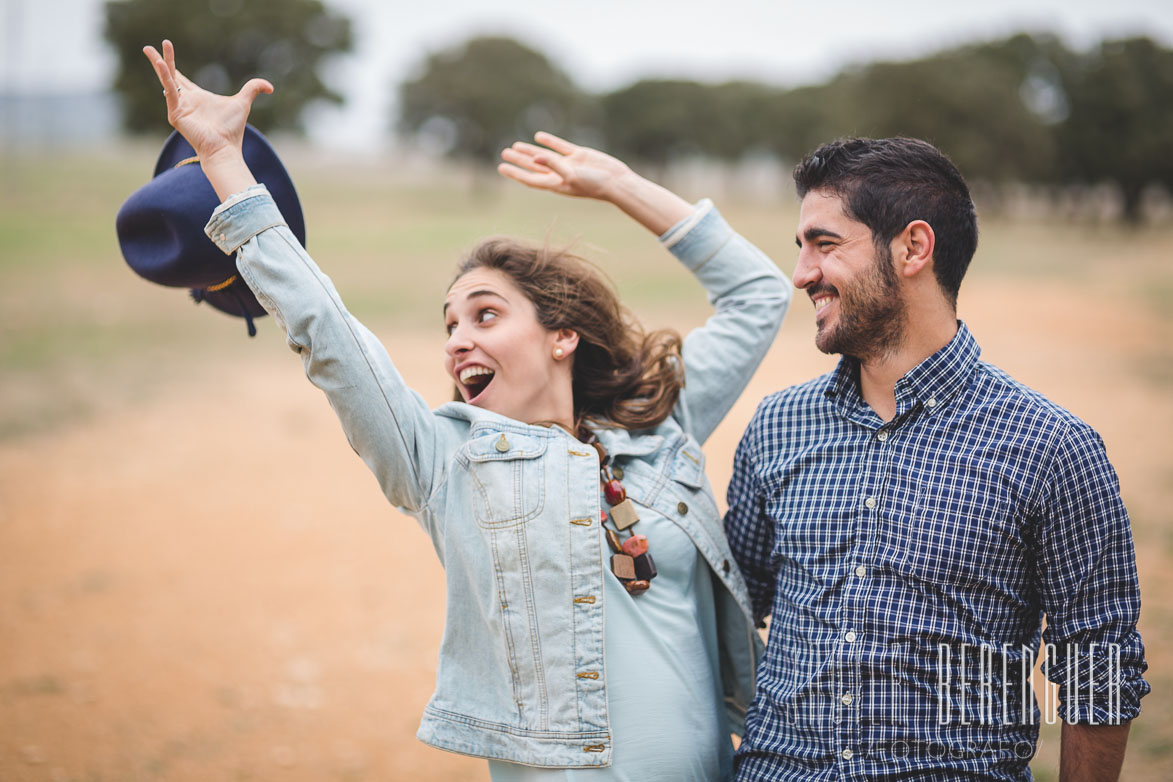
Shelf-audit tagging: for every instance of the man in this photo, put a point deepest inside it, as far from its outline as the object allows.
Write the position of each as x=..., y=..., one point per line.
x=908, y=519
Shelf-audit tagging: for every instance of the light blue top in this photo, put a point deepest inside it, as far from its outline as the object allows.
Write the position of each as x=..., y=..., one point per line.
x=512, y=510
x=663, y=676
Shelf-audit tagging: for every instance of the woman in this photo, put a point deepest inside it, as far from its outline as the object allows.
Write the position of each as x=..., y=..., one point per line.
x=571, y=458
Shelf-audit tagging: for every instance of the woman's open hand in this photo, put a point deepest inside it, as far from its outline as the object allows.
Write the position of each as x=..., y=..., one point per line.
x=211, y=123
x=562, y=167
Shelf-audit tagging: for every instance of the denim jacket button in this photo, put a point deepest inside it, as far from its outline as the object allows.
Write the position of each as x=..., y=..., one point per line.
x=682, y=507
x=725, y=567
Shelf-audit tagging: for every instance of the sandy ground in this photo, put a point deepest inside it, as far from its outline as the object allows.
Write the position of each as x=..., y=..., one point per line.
x=211, y=586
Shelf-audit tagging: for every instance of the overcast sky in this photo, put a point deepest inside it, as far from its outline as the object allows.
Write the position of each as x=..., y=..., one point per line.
x=57, y=46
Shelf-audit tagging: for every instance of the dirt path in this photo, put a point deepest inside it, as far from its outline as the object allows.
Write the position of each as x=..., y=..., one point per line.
x=212, y=587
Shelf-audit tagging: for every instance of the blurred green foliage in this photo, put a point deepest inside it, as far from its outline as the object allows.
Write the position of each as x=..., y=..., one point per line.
x=472, y=100
x=1120, y=126
x=220, y=44
x=1025, y=109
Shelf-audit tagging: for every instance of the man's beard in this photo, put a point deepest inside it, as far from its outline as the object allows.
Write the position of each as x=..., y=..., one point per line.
x=871, y=314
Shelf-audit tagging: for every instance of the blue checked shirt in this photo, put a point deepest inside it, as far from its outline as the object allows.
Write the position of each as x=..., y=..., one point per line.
x=906, y=567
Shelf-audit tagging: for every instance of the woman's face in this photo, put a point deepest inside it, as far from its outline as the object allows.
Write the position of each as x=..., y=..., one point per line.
x=500, y=356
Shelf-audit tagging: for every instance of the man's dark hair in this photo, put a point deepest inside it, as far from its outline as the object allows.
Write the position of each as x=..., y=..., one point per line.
x=887, y=183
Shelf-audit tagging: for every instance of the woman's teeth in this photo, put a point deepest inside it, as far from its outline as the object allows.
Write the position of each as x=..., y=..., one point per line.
x=471, y=372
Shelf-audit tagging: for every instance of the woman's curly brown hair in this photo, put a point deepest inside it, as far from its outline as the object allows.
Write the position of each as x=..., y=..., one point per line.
x=622, y=376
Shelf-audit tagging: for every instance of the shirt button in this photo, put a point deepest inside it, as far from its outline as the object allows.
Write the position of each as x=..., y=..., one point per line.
x=846, y=699
x=847, y=754
x=931, y=401
x=870, y=502
x=861, y=571
x=849, y=636
x=882, y=435
x=683, y=508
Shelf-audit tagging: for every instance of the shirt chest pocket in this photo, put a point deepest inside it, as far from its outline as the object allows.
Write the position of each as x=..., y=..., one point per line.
x=506, y=477
x=963, y=531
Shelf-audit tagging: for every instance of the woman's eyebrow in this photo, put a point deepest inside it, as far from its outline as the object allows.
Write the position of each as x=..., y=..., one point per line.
x=477, y=294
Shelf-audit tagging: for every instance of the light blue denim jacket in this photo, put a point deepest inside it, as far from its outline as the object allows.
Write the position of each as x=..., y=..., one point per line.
x=513, y=509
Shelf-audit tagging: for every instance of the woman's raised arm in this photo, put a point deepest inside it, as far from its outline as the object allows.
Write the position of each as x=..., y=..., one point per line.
x=747, y=290
x=562, y=167
x=213, y=124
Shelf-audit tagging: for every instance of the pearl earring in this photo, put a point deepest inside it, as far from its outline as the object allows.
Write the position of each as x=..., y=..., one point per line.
x=558, y=353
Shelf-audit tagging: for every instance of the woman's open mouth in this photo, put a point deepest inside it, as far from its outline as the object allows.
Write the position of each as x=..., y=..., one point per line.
x=475, y=380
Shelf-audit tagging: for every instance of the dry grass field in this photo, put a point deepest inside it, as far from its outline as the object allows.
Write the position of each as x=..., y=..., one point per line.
x=198, y=579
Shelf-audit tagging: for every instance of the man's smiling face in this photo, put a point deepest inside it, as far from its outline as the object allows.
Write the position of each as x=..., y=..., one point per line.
x=859, y=309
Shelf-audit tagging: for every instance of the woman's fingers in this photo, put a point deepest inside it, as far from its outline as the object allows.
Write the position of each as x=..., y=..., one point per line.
x=253, y=88
x=542, y=181
x=557, y=164
x=183, y=81
x=522, y=158
x=555, y=143
x=169, y=56
x=525, y=148
x=164, y=74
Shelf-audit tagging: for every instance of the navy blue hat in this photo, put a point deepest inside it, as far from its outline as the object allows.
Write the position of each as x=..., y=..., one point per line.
x=161, y=225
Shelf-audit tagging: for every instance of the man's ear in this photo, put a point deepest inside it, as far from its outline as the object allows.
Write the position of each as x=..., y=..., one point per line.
x=912, y=249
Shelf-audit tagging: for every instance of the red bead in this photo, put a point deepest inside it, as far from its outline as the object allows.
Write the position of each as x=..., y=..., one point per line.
x=603, y=517
x=636, y=587
x=635, y=545
x=614, y=492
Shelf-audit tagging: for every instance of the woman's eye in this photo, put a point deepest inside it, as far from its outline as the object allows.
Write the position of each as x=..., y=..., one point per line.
x=487, y=315
x=448, y=327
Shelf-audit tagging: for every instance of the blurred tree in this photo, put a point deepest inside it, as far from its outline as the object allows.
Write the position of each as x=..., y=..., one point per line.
x=990, y=107
x=220, y=44
x=655, y=120
x=1120, y=125
x=474, y=99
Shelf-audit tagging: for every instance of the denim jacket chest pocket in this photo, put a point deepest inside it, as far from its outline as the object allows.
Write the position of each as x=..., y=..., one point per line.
x=506, y=476
x=677, y=488
x=686, y=488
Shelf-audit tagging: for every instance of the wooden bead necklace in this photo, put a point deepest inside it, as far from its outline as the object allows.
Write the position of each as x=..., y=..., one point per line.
x=631, y=562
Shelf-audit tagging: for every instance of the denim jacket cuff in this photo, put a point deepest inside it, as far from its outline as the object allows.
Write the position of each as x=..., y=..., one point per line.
x=699, y=236
x=241, y=217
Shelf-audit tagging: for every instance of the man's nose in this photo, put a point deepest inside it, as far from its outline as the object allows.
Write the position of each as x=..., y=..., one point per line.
x=806, y=271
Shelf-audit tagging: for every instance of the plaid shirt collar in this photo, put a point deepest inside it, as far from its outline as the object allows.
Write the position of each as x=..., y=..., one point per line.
x=928, y=386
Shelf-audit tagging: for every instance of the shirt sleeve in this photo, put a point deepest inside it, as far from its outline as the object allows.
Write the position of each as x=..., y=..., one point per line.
x=750, y=533
x=750, y=296
x=388, y=424
x=1089, y=587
